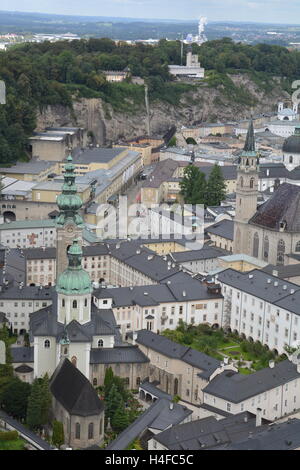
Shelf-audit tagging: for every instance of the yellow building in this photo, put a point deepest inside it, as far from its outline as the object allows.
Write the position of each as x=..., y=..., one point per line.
x=241, y=262
x=35, y=170
x=49, y=190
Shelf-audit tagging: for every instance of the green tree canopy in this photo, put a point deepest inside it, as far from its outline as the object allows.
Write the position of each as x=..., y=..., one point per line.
x=58, y=437
x=14, y=397
x=193, y=186
x=216, y=187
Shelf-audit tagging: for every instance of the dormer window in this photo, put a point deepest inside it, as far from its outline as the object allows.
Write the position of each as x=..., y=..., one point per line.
x=100, y=343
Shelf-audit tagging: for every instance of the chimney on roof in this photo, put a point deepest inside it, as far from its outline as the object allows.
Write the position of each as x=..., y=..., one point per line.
x=276, y=283
x=271, y=364
x=246, y=418
x=184, y=293
x=134, y=337
x=258, y=417
x=292, y=291
x=275, y=273
x=171, y=405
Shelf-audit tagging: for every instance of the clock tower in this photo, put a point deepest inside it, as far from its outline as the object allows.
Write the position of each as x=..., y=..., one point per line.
x=246, y=193
x=69, y=223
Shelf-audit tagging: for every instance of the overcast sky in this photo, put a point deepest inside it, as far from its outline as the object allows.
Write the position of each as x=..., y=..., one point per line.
x=281, y=11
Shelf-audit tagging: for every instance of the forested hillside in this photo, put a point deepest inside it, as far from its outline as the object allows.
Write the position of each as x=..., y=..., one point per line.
x=38, y=75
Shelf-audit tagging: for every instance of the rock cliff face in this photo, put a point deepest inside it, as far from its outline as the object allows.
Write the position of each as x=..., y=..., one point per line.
x=202, y=104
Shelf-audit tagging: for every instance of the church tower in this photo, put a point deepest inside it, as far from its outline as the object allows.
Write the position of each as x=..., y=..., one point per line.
x=246, y=193
x=69, y=223
x=74, y=289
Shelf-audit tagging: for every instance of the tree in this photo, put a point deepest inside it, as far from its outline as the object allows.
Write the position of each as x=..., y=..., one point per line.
x=216, y=187
x=58, y=437
x=119, y=420
x=14, y=397
x=193, y=186
x=113, y=401
x=173, y=142
x=35, y=402
x=108, y=379
x=46, y=399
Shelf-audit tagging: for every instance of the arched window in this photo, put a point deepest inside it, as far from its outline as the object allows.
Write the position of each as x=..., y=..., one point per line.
x=74, y=361
x=176, y=387
x=266, y=248
x=47, y=343
x=63, y=302
x=297, y=247
x=77, y=431
x=100, y=343
x=255, y=245
x=74, y=304
x=65, y=351
x=95, y=381
x=280, y=252
x=251, y=183
x=291, y=159
x=91, y=431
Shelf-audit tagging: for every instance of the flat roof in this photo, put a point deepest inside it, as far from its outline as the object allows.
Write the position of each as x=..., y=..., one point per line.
x=97, y=154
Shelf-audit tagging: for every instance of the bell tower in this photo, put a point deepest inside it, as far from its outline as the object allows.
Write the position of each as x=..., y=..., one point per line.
x=69, y=224
x=246, y=193
x=74, y=289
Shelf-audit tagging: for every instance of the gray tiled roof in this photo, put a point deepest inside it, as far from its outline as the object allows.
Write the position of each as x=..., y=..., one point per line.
x=27, y=293
x=283, y=272
x=259, y=284
x=283, y=206
x=208, y=432
x=100, y=155
x=118, y=355
x=22, y=354
x=224, y=228
x=74, y=391
x=279, y=436
x=158, y=416
x=235, y=387
x=198, y=255
x=174, y=350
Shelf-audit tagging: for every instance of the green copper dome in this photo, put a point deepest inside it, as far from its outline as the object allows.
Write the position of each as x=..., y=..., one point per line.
x=74, y=280
x=69, y=202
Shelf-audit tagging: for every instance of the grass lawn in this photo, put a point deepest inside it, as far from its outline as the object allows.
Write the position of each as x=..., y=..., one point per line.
x=245, y=371
x=230, y=344
x=16, y=444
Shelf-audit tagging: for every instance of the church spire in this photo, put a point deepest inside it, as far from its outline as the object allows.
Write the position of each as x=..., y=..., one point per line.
x=250, y=139
x=69, y=202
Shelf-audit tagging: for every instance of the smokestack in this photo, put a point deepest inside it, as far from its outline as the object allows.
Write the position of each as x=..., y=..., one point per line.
x=258, y=417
